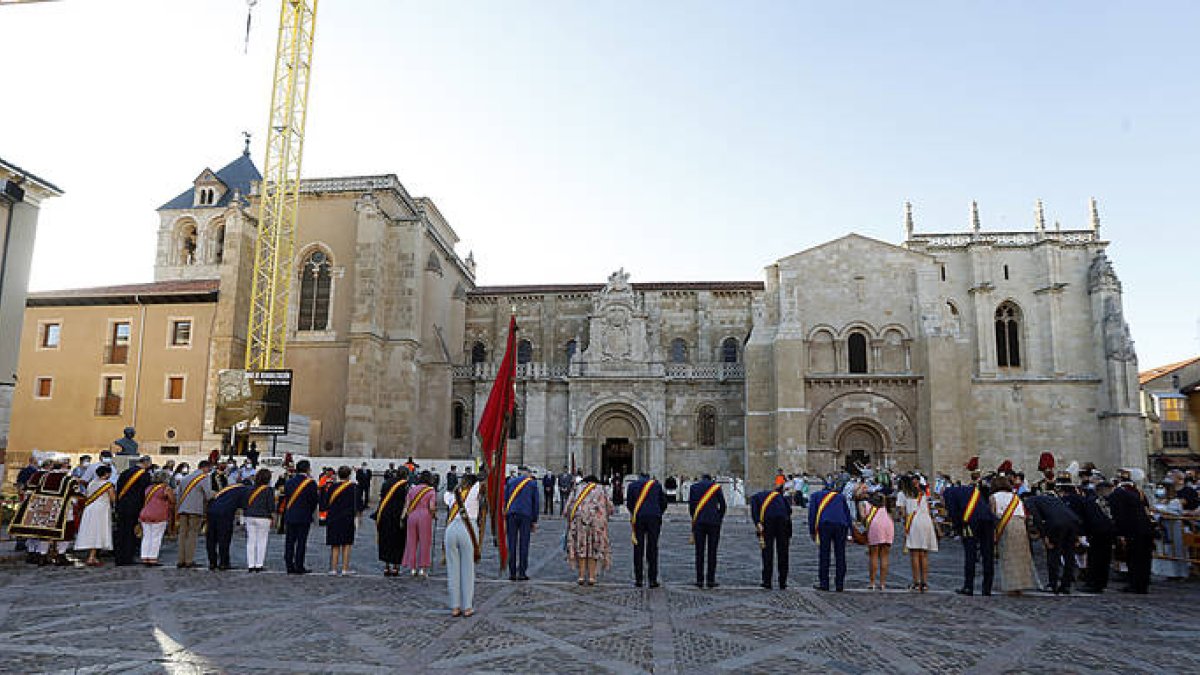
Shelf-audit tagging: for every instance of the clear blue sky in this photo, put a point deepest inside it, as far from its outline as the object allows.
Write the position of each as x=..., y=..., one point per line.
x=682, y=140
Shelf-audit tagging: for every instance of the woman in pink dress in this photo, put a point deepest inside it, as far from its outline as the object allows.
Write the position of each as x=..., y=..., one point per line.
x=420, y=511
x=881, y=532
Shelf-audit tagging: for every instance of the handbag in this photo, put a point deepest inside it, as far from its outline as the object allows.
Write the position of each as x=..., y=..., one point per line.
x=858, y=533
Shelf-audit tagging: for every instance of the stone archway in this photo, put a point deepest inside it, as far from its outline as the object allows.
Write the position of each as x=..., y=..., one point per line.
x=860, y=441
x=615, y=436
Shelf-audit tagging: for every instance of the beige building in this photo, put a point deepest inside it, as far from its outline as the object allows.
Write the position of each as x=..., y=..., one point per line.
x=21, y=195
x=1000, y=344
x=1170, y=399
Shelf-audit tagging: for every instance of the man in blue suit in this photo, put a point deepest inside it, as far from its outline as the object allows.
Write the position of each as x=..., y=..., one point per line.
x=646, y=502
x=972, y=517
x=828, y=525
x=221, y=510
x=773, y=521
x=521, y=513
x=300, y=496
x=706, y=503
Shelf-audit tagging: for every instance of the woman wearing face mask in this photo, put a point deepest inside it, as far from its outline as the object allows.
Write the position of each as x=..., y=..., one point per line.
x=1168, y=509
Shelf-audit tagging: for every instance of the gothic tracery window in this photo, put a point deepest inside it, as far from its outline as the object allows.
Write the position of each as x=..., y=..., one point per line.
x=706, y=426
x=316, y=282
x=1008, y=335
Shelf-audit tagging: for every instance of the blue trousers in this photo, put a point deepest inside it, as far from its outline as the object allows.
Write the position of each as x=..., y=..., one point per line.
x=833, y=539
x=295, y=542
x=519, y=526
x=980, y=547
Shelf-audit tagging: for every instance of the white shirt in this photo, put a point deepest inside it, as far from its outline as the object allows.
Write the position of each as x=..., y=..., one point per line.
x=1001, y=500
x=470, y=504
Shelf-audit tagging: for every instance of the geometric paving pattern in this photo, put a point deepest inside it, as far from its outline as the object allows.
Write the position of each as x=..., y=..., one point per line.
x=134, y=620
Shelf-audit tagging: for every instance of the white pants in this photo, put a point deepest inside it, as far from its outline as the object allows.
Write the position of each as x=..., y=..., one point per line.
x=257, y=530
x=460, y=566
x=152, y=534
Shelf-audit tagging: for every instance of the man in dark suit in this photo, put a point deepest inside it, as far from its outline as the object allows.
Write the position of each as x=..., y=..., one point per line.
x=772, y=518
x=221, y=510
x=1136, y=531
x=131, y=496
x=974, y=521
x=301, y=498
x=521, y=516
x=706, y=503
x=828, y=524
x=1101, y=533
x=1059, y=527
x=646, y=502
x=547, y=493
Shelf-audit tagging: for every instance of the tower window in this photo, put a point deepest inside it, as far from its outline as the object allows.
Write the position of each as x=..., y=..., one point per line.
x=478, y=353
x=943, y=272
x=679, y=351
x=1006, y=272
x=729, y=350
x=458, y=420
x=572, y=347
x=856, y=346
x=316, y=281
x=1008, y=336
x=524, y=351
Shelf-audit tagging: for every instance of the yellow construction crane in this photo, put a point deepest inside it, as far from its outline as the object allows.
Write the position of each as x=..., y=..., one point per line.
x=279, y=193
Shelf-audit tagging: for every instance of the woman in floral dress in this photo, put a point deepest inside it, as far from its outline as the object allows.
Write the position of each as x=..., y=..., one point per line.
x=587, y=513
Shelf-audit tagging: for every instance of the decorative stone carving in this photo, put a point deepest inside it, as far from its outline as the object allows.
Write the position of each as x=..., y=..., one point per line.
x=618, y=328
x=1118, y=344
x=1101, y=276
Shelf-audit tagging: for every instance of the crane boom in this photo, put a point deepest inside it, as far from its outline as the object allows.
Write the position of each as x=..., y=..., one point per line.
x=279, y=199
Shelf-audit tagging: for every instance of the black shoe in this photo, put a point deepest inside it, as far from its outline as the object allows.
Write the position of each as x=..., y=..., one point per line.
x=212, y=568
x=699, y=584
x=303, y=570
x=512, y=577
x=766, y=585
x=713, y=584
x=638, y=583
x=654, y=584
x=839, y=589
x=782, y=586
x=522, y=577
x=965, y=591
x=819, y=587
x=224, y=568
x=986, y=594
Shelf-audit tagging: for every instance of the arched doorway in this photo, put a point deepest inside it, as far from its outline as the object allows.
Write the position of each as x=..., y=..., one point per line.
x=859, y=442
x=616, y=436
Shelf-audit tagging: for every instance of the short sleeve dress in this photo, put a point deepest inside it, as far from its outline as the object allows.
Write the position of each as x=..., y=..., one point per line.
x=919, y=532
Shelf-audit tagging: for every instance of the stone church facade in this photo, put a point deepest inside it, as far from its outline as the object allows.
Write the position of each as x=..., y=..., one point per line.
x=997, y=344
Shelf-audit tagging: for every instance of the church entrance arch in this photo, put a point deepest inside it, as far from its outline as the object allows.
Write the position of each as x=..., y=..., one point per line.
x=616, y=436
x=860, y=442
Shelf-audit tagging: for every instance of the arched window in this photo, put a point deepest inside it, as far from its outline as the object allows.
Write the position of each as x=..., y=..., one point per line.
x=729, y=350
x=478, y=353
x=572, y=346
x=514, y=424
x=187, y=244
x=856, y=346
x=1008, y=336
x=706, y=426
x=316, y=282
x=458, y=420
x=679, y=351
x=524, y=351
x=219, y=243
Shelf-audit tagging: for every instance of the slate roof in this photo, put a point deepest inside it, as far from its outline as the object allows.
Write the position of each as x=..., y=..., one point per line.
x=236, y=176
x=159, y=292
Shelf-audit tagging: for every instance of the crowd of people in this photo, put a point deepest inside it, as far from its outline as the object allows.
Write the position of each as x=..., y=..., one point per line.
x=1082, y=520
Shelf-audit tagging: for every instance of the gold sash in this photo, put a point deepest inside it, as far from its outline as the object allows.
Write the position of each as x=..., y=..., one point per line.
x=388, y=498
x=708, y=494
x=296, y=493
x=337, y=492
x=129, y=483
x=908, y=518
x=1007, y=516
x=579, y=500
x=516, y=491
x=820, y=509
x=97, y=494
x=638, y=507
x=412, y=503
x=188, y=490
x=254, y=495
x=970, y=510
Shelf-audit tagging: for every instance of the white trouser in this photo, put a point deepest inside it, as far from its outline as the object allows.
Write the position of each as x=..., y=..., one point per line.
x=257, y=530
x=460, y=565
x=152, y=534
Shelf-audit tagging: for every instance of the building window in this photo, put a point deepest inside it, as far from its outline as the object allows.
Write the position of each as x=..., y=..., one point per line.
x=44, y=387
x=175, y=388
x=514, y=424
x=1170, y=409
x=181, y=333
x=118, y=343
x=943, y=271
x=706, y=427
x=478, y=353
x=1006, y=272
x=168, y=450
x=219, y=243
x=1175, y=439
x=51, y=333
x=729, y=350
x=1008, y=336
x=316, y=281
x=524, y=351
x=572, y=347
x=458, y=421
x=679, y=351
x=856, y=346
x=111, y=396
x=187, y=244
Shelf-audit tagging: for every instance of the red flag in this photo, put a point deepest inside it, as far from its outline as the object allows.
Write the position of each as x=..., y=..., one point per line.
x=493, y=436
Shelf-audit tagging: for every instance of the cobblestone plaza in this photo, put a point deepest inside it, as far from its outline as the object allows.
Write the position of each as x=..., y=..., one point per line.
x=137, y=620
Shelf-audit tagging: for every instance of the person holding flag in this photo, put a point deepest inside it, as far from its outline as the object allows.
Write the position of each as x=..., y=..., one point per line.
x=521, y=512
x=706, y=503
x=493, y=442
x=646, y=502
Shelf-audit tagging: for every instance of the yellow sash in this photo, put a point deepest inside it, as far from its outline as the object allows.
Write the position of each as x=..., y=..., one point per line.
x=296, y=493
x=231, y=487
x=453, y=507
x=582, y=496
x=638, y=507
x=188, y=490
x=153, y=491
x=337, y=492
x=254, y=495
x=516, y=491
x=412, y=504
x=1007, y=516
x=970, y=510
x=388, y=498
x=908, y=518
x=708, y=494
x=820, y=509
x=97, y=494
x=871, y=516
x=129, y=483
